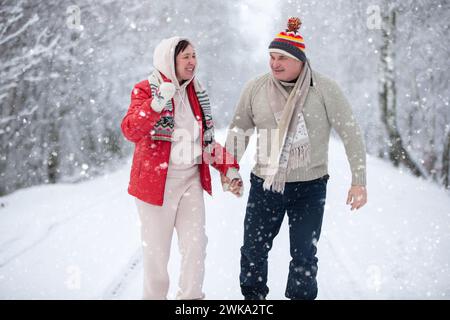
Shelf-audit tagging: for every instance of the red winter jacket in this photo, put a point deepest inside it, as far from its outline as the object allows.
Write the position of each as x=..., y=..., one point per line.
x=151, y=157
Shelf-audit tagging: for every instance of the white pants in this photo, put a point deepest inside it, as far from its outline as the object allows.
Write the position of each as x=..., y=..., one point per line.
x=184, y=210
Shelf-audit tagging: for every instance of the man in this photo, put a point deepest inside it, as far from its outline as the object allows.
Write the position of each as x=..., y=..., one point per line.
x=293, y=109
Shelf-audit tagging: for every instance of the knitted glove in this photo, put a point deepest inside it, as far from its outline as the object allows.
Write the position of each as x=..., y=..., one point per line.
x=165, y=92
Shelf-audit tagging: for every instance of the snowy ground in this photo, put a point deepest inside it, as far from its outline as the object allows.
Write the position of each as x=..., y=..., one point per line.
x=81, y=241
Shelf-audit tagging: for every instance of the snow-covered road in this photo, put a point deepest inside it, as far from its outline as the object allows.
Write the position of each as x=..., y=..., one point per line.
x=81, y=241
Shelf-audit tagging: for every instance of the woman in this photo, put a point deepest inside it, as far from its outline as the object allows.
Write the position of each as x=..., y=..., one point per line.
x=169, y=120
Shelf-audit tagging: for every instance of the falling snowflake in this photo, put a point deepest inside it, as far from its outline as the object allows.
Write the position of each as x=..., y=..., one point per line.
x=163, y=165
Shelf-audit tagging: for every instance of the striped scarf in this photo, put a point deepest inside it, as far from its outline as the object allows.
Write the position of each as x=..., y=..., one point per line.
x=163, y=129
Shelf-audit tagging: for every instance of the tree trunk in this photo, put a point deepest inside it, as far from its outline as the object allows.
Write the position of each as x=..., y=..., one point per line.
x=53, y=156
x=388, y=96
x=446, y=161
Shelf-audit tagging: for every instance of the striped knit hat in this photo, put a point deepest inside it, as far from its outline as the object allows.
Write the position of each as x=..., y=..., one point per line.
x=289, y=42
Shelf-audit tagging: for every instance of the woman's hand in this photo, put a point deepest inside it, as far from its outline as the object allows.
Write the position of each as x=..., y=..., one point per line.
x=165, y=92
x=232, y=182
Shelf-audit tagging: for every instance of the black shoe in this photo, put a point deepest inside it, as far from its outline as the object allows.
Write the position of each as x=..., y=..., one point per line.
x=255, y=297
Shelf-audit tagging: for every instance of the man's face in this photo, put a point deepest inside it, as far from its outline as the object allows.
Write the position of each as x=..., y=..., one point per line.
x=284, y=68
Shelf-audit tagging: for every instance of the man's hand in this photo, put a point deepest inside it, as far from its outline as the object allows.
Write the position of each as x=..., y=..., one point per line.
x=357, y=197
x=234, y=186
x=232, y=182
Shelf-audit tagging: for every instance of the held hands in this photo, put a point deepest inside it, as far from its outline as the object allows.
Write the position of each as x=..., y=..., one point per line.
x=232, y=182
x=357, y=197
x=165, y=92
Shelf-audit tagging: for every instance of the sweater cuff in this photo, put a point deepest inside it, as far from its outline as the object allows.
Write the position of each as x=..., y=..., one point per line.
x=359, y=178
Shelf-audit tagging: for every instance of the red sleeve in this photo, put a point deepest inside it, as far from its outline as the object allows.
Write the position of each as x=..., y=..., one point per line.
x=222, y=160
x=140, y=117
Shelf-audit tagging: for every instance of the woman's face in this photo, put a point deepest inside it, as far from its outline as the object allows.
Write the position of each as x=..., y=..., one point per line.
x=186, y=62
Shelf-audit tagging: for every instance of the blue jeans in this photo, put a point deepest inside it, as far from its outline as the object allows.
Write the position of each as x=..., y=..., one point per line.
x=304, y=203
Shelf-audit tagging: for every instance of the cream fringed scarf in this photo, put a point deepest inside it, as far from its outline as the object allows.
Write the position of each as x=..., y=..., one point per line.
x=293, y=148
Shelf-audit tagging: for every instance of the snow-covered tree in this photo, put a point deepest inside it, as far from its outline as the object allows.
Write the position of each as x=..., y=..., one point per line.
x=67, y=72
x=390, y=59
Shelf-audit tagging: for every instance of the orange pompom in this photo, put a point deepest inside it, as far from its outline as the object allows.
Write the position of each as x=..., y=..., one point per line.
x=294, y=24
